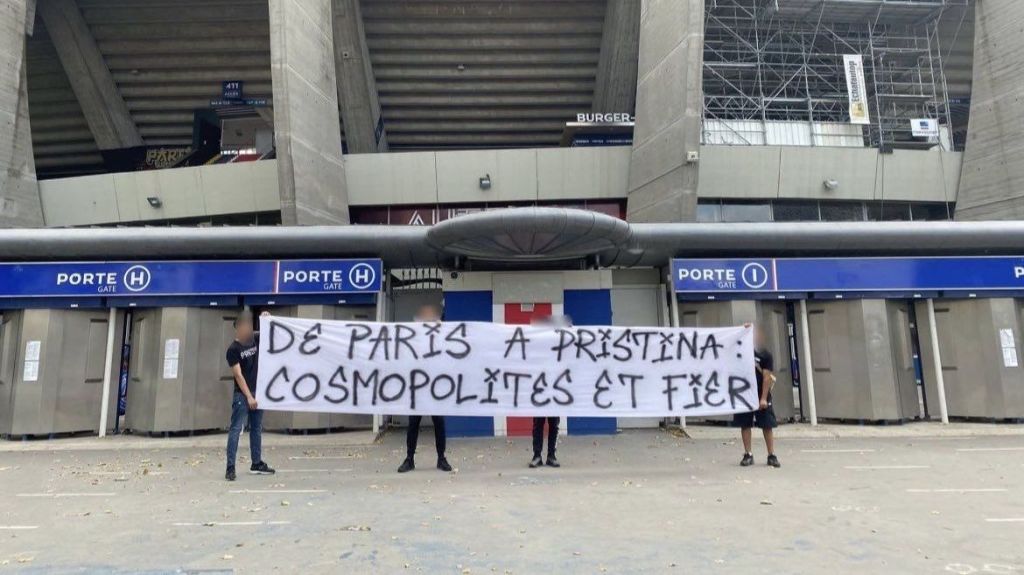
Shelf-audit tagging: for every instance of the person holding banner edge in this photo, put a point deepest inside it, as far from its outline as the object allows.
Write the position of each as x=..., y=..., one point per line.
x=426, y=314
x=243, y=358
x=552, y=422
x=764, y=416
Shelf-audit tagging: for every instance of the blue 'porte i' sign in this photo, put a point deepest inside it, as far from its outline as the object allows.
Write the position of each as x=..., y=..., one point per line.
x=967, y=274
x=190, y=278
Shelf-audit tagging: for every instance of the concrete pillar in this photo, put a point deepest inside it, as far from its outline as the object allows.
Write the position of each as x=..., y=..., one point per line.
x=669, y=102
x=19, y=192
x=310, y=172
x=615, y=88
x=992, y=179
x=357, y=87
x=104, y=108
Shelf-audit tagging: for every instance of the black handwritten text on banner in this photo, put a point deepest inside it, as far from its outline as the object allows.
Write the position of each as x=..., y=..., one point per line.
x=491, y=369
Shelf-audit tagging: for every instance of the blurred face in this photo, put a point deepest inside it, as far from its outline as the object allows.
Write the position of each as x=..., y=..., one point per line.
x=759, y=340
x=243, y=329
x=428, y=313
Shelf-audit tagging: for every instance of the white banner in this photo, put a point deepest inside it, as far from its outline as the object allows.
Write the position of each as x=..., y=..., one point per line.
x=472, y=368
x=856, y=89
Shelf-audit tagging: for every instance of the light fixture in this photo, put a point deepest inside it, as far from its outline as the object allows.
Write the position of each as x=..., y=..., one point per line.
x=485, y=182
x=831, y=185
x=154, y=201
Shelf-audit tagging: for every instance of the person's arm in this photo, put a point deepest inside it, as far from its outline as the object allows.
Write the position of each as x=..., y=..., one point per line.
x=236, y=370
x=769, y=382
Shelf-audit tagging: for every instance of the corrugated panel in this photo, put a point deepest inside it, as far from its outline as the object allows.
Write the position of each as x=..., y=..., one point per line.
x=788, y=134
x=733, y=133
x=839, y=135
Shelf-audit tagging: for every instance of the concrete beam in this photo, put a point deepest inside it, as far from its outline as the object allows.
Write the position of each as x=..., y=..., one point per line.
x=357, y=88
x=615, y=89
x=669, y=104
x=102, y=104
x=19, y=192
x=307, y=131
x=992, y=179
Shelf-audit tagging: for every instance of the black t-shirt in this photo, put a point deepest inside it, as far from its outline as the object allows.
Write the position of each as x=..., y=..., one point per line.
x=763, y=359
x=247, y=355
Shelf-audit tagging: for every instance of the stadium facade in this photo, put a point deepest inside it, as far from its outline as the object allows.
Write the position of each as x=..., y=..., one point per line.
x=772, y=125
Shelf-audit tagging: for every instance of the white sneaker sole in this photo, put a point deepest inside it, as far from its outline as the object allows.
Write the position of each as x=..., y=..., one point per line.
x=251, y=472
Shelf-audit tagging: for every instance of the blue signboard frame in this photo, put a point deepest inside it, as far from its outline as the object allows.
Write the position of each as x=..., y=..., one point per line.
x=881, y=276
x=209, y=278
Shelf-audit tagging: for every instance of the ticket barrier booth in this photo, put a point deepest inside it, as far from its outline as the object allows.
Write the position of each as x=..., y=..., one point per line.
x=979, y=342
x=589, y=297
x=864, y=359
x=850, y=341
x=177, y=379
x=52, y=360
x=774, y=319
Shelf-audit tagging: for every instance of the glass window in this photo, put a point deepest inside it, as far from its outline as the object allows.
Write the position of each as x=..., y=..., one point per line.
x=709, y=212
x=888, y=211
x=842, y=211
x=747, y=212
x=796, y=211
x=925, y=212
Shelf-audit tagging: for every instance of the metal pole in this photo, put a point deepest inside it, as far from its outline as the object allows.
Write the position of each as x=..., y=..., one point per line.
x=674, y=322
x=806, y=366
x=933, y=334
x=108, y=364
x=382, y=295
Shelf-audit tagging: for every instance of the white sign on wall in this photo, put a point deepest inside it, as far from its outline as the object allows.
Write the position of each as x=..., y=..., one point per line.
x=856, y=89
x=485, y=369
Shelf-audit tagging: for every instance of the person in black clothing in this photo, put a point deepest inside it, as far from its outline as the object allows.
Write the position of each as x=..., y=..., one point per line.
x=243, y=358
x=426, y=314
x=552, y=422
x=764, y=417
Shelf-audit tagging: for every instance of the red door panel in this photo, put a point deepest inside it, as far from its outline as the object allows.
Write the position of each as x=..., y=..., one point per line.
x=523, y=314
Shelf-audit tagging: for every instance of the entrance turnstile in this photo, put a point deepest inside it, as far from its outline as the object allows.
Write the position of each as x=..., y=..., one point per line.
x=52, y=370
x=980, y=350
x=178, y=379
x=861, y=360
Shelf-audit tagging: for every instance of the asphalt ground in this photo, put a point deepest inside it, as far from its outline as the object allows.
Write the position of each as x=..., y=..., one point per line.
x=648, y=501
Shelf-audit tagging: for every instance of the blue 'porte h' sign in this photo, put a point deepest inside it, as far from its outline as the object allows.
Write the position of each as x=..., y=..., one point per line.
x=190, y=278
x=782, y=275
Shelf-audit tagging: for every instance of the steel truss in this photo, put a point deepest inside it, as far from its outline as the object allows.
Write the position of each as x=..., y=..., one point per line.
x=762, y=64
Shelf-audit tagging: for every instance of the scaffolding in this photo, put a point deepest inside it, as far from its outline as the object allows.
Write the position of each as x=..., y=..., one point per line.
x=774, y=72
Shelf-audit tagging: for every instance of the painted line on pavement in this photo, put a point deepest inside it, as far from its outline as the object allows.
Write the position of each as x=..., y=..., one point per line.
x=837, y=451
x=313, y=470
x=1005, y=520
x=230, y=523
x=878, y=467
x=990, y=449
x=959, y=490
x=302, y=457
x=271, y=491
x=17, y=527
x=56, y=495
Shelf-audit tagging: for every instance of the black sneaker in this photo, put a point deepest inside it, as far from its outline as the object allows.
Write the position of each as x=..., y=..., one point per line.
x=406, y=465
x=748, y=460
x=230, y=473
x=774, y=461
x=553, y=461
x=261, y=468
x=443, y=464
x=536, y=462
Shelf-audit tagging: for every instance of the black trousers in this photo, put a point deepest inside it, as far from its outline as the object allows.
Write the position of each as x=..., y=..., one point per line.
x=538, y=435
x=412, y=436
